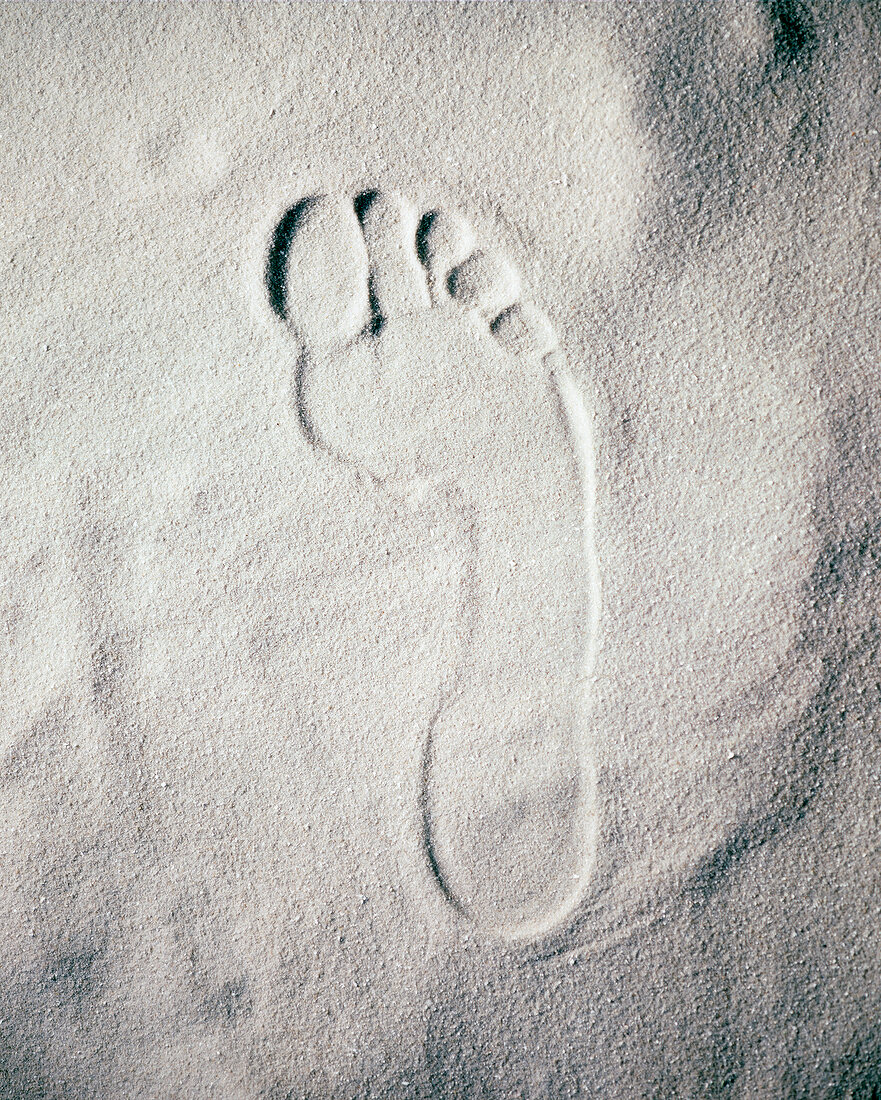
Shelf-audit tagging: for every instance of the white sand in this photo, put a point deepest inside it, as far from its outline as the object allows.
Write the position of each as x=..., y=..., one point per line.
x=440, y=715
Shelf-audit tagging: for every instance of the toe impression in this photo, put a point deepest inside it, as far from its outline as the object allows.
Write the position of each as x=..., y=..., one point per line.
x=397, y=281
x=443, y=241
x=484, y=282
x=317, y=271
x=524, y=330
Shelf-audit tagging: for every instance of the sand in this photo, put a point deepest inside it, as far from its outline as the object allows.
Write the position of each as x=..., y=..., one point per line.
x=440, y=558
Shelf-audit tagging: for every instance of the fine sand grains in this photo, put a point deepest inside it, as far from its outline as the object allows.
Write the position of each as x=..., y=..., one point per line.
x=439, y=562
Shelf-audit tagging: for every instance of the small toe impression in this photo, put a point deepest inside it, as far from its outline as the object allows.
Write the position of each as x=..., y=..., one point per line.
x=485, y=282
x=316, y=272
x=397, y=282
x=442, y=242
x=524, y=330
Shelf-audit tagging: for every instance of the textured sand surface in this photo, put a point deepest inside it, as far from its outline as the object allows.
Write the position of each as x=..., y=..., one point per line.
x=441, y=532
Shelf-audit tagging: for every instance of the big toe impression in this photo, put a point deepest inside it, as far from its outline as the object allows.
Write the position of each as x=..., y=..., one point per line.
x=317, y=271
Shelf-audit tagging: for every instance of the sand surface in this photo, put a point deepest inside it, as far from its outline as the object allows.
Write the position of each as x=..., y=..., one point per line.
x=440, y=551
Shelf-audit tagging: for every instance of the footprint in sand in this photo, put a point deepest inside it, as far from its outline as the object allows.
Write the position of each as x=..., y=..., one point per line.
x=422, y=367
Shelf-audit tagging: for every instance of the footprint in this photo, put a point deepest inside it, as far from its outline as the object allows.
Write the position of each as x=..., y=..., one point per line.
x=422, y=367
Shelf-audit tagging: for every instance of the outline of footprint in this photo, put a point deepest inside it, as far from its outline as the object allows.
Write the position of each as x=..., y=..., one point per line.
x=355, y=281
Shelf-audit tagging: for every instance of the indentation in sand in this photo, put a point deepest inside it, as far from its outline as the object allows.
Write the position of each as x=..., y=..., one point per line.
x=421, y=367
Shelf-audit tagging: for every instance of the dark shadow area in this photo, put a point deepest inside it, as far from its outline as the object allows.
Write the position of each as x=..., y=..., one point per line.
x=231, y=1003
x=376, y=323
x=277, y=259
x=312, y=437
x=707, y=104
x=861, y=1073
x=833, y=633
x=362, y=204
x=426, y=223
x=428, y=845
x=76, y=972
x=792, y=26
x=21, y=1077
